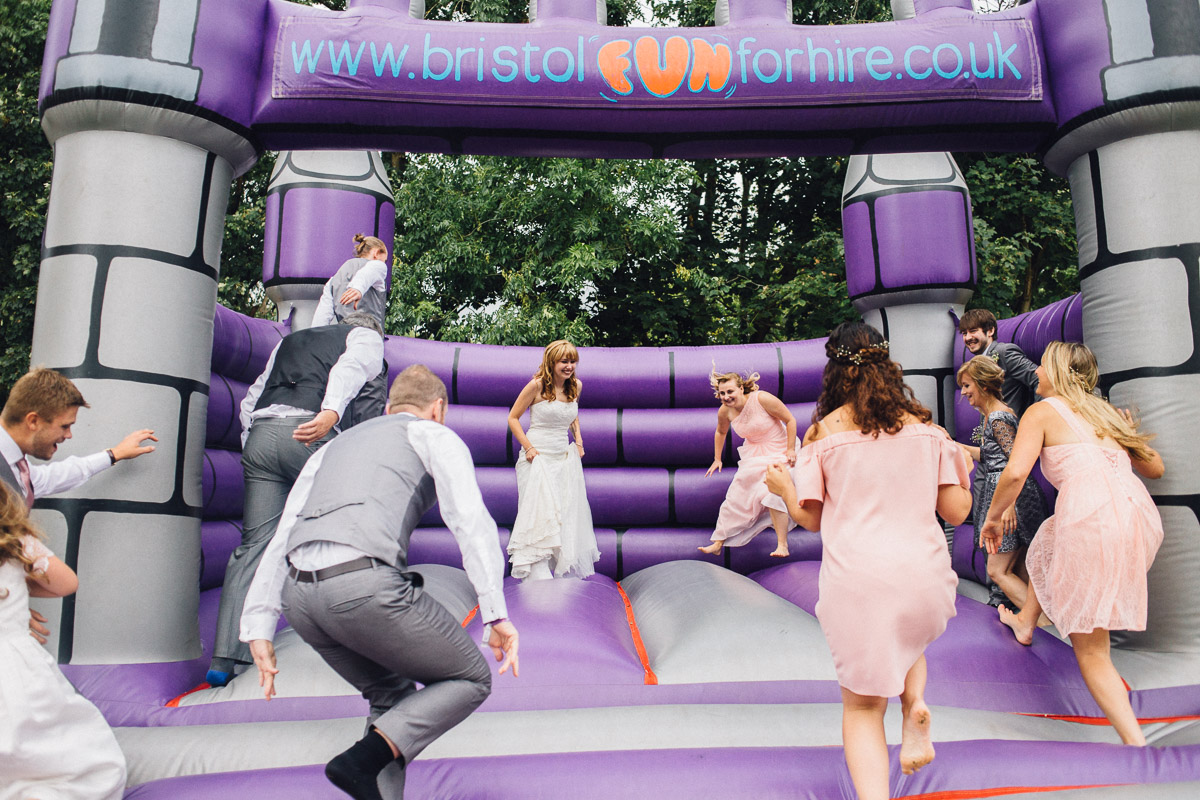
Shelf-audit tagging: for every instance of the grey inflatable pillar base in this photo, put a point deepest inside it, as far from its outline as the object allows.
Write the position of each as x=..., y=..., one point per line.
x=126, y=298
x=1138, y=229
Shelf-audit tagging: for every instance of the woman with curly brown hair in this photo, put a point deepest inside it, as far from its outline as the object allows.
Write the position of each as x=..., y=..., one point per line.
x=53, y=742
x=1087, y=565
x=872, y=477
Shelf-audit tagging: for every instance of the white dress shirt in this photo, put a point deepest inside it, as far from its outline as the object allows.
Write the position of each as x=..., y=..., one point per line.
x=54, y=477
x=446, y=457
x=361, y=362
x=373, y=275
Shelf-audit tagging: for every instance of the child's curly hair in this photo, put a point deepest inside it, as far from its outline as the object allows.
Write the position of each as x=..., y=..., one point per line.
x=14, y=527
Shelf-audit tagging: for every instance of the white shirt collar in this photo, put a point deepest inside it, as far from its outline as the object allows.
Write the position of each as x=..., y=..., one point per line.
x=10, y=449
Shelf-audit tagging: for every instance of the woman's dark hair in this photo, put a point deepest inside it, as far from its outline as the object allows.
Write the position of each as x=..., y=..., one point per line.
x=860, y=374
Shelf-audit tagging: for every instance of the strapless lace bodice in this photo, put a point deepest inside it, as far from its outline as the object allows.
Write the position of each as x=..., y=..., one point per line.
x=548, y=423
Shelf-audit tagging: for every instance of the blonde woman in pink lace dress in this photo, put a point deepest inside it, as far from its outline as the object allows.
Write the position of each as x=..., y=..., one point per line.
x=769, y=429
x=1088, y=563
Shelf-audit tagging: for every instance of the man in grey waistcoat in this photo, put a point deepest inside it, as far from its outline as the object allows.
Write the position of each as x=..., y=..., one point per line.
x=338, y=566
x=316, y=381
x=360, y=284
x=978, y=329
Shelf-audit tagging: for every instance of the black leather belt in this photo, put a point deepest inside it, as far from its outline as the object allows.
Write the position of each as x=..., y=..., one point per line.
x=304, y=576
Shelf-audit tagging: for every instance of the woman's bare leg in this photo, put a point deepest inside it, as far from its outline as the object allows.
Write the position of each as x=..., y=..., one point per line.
x=1105, y=684
x=1000, y=568
x=1024, y=624
x=916, y=748
x=864, y=744
x=779, y=521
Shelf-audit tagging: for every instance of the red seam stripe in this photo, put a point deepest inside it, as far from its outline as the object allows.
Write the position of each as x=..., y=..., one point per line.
x=1104, y=720
x=174, y=702
x=999, y=791
x=651, y=678
x=470, y=616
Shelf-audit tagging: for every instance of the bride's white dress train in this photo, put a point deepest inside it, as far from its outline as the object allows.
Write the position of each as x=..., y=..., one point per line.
x=554, y=521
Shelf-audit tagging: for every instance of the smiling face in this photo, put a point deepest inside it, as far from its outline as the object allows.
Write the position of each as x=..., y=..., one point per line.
x=977, y=340
x=49, y=434
x=971, y=392
x=728, y=392
x=564, y=370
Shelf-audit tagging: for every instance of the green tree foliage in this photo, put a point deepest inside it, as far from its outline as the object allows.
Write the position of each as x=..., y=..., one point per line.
x=25, y=171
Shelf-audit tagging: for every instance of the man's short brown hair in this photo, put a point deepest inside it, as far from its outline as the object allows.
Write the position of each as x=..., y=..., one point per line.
x=978, y=318
x=42, y=391
x=416, y=386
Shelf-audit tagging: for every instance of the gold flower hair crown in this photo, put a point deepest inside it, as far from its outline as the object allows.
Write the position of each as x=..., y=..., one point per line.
x=1077, y=376
x=871, y=354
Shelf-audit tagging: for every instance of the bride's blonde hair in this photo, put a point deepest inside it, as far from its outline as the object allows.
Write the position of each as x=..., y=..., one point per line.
x=560, y=350
x=1072, y=370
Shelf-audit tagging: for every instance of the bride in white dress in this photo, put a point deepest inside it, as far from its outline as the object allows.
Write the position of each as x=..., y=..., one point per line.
x=53, y=742
x=552, y=535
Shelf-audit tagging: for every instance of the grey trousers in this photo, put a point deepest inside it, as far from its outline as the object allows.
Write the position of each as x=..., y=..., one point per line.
x=271, y=461
x=381, y=632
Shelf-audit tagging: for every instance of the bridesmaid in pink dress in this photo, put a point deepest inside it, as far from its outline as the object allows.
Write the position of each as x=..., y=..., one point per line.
x=870, y=477
x=769, y=429
x=1088, y=563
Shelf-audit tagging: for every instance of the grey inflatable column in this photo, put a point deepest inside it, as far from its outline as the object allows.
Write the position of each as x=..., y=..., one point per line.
x=316, y=202
x=125, y=309
x=910, y=261
x=1134, y=173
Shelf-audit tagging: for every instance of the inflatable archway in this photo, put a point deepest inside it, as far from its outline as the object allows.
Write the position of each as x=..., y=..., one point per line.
x=684, y=676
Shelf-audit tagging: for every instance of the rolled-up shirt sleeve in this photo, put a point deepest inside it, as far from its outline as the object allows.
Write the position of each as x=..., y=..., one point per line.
x=260, y=614
x=448, y=460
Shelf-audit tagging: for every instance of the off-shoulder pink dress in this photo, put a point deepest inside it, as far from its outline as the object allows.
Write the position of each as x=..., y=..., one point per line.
x=743, y=515
x=1089, y=560
x=886, y=586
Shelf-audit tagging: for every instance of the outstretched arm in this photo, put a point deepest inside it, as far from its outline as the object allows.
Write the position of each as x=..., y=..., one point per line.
x=1025, y=451
x=806, y=515
x=718, y=442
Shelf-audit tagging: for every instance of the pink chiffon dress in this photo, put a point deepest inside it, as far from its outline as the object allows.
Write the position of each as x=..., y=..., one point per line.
x=1089, y=560
x=743, y=514
x=886, y=586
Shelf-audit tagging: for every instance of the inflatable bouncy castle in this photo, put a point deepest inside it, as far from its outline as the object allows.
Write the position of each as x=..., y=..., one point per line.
x=669, y=674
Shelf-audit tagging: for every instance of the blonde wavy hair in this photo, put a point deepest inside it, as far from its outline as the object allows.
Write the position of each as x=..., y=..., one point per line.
x=559, y=350
x=1072, y=370
x=748, y=383
x=14, y=527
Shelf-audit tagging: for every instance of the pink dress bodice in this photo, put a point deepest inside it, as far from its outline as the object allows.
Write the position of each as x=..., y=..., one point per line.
x=764, y=435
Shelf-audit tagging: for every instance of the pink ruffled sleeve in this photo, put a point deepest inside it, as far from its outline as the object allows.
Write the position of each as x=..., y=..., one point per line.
x=953, y=467
x=808, y=477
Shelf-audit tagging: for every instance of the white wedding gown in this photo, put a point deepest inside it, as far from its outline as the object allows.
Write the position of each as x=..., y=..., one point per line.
x=53, y=742
x=554, y=521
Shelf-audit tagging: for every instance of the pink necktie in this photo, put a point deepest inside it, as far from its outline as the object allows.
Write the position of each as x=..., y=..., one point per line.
x=23, y=470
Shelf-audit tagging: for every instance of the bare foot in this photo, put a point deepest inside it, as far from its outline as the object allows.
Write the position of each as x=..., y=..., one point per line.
x=1023, y=632
x=713, y=549
x=780, y=552
x=916, y=748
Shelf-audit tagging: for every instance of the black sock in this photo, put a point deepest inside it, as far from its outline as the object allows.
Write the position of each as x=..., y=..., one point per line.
x=356, y=770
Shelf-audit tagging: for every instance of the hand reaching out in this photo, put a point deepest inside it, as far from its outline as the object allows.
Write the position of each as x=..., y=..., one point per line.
x=715, y=467
x=503, y=641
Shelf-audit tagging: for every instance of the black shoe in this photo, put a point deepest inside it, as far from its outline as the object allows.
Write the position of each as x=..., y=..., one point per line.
x=356, y=771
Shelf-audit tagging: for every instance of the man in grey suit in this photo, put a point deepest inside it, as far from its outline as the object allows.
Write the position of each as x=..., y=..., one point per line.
x=978, y=329
x=315, y=379
x=338, y=564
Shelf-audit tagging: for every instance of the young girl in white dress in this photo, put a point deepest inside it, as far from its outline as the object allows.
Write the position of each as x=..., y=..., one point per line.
x=552, y=535
x=53, y=742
